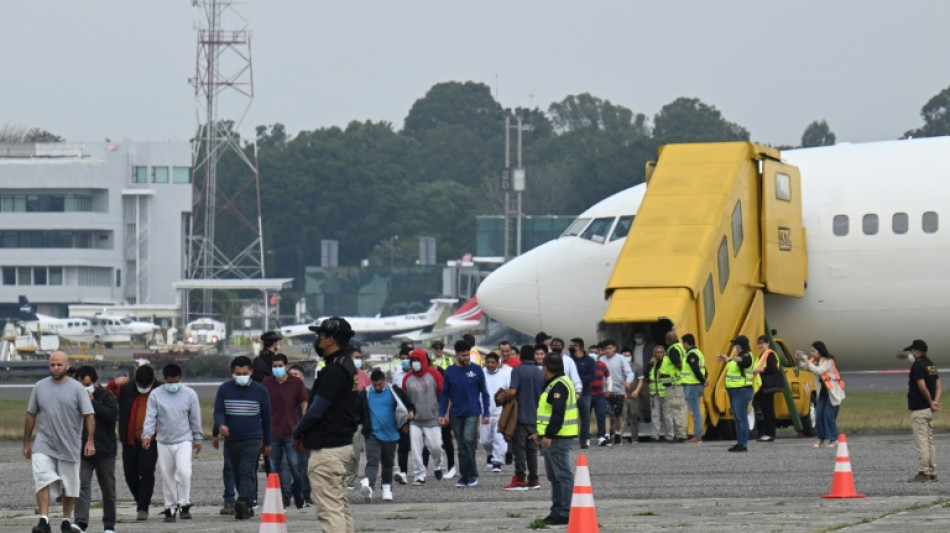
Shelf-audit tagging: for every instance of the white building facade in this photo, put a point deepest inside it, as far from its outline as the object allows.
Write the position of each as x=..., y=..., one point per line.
x=91, y=223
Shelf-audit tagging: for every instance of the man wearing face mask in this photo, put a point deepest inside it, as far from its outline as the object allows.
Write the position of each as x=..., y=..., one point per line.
x=270, y=341
x=423, y=386
x=401, y=370
x=288, y=398
x=353, y=464
x=138, y=464
x=173, y=417
x=328, y=426
x=643, y=354
x=242, y=413
x=103, y=462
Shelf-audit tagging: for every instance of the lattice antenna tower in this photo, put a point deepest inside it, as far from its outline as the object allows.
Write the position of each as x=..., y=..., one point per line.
x=225, y=175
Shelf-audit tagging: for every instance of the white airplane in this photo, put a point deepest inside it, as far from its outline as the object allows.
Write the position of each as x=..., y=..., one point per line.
x=877, y=256
x=102, y=328
x=377, y=328
x=466, y=318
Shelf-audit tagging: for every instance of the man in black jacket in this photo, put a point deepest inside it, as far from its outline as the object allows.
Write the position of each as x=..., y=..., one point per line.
x=103, y=462
x=265, y=359
x=327, y=427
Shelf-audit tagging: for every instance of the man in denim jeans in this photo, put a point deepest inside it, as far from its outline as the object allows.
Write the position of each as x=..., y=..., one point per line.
x=693, y=381
x=464, y=385
x=556, y=428
x=288, y=398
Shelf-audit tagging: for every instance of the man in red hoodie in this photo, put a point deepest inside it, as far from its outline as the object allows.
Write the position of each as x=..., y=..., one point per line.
x=424, y=385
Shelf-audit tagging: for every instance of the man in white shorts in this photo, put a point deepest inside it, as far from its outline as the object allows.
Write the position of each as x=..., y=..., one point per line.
x=57, y=408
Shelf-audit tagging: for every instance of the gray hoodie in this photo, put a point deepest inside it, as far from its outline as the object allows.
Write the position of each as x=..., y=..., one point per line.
x=177, y=416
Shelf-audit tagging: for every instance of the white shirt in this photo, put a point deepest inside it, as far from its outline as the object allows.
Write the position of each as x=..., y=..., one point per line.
x=499, y=380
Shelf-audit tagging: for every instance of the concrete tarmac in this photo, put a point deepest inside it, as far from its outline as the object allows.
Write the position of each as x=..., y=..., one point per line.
x=642, y=487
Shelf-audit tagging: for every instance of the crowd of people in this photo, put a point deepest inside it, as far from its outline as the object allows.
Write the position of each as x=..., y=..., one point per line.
x=436, y=409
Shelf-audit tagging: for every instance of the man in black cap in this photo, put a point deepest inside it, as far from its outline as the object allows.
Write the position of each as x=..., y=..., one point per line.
x=739, y=388
x=265, y=360
x=327, y=427
x=923, y=400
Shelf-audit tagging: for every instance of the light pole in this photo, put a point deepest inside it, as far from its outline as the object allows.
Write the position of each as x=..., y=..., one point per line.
x=392, y=250
x=513, y=180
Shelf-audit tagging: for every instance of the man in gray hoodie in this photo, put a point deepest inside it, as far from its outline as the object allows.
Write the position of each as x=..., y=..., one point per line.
x=174, y=411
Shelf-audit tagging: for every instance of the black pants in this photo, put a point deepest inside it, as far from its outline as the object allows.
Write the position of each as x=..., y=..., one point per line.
x=138, y=464
x=767, y=404
x=243, y=455
x=448, y=445
x=403, y=451
x=104, y=468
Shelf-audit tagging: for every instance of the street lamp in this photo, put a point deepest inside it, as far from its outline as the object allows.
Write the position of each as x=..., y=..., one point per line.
x=392, y=250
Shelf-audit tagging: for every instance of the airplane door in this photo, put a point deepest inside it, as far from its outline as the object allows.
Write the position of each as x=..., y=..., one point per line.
x=784, y=261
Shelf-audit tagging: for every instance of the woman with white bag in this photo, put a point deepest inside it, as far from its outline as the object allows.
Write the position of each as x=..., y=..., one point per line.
x=822, y=364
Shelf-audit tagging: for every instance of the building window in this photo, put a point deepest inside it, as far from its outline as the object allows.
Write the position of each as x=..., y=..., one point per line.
x=783, y=187
x=181, y=175
x=9, y=275
x=24, y=276
x=723, y=264
x=869, y=224
x=50, y=239
x=709, y=302
x=55, y=275
x=840, y=225
x=159, y=174
x=737, y=228
x=95, y=276
x=39, y=276
x=900, y=222
x=139, y=174
x=930, y=222
x=45, y=203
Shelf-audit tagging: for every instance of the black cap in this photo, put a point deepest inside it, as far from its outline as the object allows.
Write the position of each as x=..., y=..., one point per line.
x=741, y=340
x=918, y=345
x=270, y=337
x=334, y=327
x=438, y=345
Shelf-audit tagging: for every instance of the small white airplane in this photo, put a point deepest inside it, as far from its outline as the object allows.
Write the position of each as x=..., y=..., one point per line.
x=466, y=318
x=102, y=328
x=877, y=256
x=378, y=328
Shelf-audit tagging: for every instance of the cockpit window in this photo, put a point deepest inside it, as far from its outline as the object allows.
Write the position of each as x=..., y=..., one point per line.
x=622, y=228
x=598, y=229
x=576, y=227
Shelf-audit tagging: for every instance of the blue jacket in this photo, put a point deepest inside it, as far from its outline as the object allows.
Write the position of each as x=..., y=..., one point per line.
x=465, y=386
x=245, y=410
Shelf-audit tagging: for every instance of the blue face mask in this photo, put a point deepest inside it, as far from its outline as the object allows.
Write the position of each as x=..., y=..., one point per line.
x=242, y=381
x=173, y=387
x=279, y=372
x=405, y=365
x=358, y=363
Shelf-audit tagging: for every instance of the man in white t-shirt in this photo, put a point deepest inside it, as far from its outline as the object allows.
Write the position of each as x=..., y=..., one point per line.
x=497, y=376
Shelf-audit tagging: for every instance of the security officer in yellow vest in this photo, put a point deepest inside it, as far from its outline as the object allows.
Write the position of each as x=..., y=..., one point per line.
x=693, y=380
x=661, y=421
x=439, y=359
x=557, y=427
x=671, y=371
x=739, y=387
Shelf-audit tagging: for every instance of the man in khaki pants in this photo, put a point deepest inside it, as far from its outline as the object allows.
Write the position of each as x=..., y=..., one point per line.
x=328, y=426
x=923, y=400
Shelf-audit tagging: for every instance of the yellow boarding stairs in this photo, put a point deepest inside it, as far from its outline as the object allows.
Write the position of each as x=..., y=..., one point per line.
x=719, y=225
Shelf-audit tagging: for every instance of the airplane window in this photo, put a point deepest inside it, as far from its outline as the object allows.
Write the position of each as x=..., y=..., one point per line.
x=623, y=228
x=737, y=228
x=709, y=302
x=930, y=222
x=723, y=264
x=900, y=223
x=576, y=227
x=598, y=229
x=840, y=225
x=126, y=320
x=869, y=224
x=783, y=187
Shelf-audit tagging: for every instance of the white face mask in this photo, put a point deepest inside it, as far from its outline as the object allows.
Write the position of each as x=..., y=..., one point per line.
x=638, y=340
x=143, y=390
x=242, y=381
x=910, y=356
x=417, y=366
x=90, y=389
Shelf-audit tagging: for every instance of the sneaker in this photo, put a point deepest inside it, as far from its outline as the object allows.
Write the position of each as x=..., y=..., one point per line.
x=298, y=502
x=286, y=502
x=919, y=478
x=169, y=515
x=451, y=473
x=401, y=478
x=585, y=445
x=438, y=475
x=241, y=509
x=516, y=484
x=108, y=531
x=663, y=440
x=738, y=448
x=350, y=487
x=602, y=441
x=693, y=440
x=488, y=465
x=496, y=467
x=472, y=481
x=66, y=527
x=79, y=527
x=365, y=490
x=461, y=483
x=418, y=482
x=510, y=458
x=141, y=514
x=42, y=526
x=534, y=484
x=617, y=439
x=184, y=512
x=555, y=520
x=933, y=477
x=250, y=512
x=308, y=502
x=227, y=509
x=387, y=493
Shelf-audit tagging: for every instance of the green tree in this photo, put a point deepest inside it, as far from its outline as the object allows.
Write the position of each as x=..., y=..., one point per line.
x=19, y=134
x=818, y=133
x=690, y=120
x=585, y=112
x=936, y=114
x=469, y=105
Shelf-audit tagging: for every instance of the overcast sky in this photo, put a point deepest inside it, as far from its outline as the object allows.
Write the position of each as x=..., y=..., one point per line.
x=119, y=68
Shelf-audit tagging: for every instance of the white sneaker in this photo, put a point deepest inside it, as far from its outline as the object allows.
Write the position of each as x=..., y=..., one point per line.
x=387, y=493
x=401, y=477
x=450, y=474
x=366, y=490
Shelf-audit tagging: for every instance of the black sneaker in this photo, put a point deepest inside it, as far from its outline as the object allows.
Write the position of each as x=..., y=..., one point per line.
x=184, y=512
x=298, y=502
x=933, y=477
x=80, y=527
x=438, y=475
x=509, y=458
x=919, y=478
x=240, y=510
x=738, y=448
x=66, y=526
x=286, y=503
x=617, y=439
x=42, y=526
x=169, y=515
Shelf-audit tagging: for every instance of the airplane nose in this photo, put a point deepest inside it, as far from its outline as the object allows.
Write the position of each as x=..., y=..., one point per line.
x=510, y=294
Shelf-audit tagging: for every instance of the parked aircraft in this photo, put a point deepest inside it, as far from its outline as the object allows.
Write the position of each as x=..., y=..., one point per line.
x=466, y=318
x=378, y=328
x=876, y=257
x=103, y=328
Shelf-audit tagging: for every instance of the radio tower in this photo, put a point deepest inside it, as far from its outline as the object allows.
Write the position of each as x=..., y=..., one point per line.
x=225, y=176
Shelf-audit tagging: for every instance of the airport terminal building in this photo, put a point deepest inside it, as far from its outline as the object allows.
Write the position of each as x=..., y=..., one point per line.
x=93, y=223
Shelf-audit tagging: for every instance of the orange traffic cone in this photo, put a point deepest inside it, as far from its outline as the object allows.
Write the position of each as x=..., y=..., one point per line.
x=583, y=513
x=273, y=519
x=842, y=484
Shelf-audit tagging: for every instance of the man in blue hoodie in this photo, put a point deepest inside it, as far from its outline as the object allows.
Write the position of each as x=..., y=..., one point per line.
x=464, y=386
x=243, y=416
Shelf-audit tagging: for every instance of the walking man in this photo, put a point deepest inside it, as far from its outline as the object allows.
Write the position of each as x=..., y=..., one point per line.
x=556, y=428
x=621, y=384
x=103, y=462
x=527, y=382
x=423, y=385
x=587, y=370
x=923, y=400
x=288, y=398
x=693, y=381
x=386, y=412
x=57, y=409
x=464, y=387
x=497, y=376
x=173, y=418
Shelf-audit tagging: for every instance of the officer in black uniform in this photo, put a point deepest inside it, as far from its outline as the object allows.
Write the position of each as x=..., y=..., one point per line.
x=264, y=360
x=328, y=426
